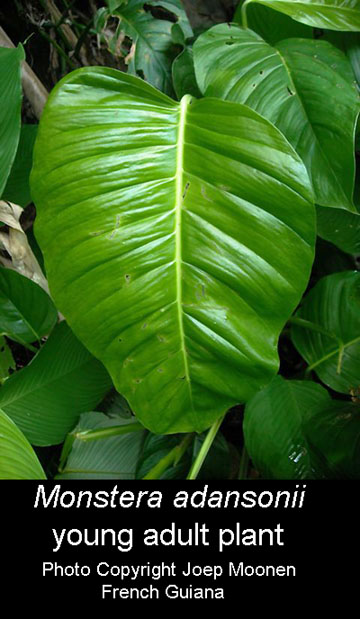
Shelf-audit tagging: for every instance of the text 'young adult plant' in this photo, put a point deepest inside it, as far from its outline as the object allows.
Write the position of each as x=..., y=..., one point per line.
x=178, y=238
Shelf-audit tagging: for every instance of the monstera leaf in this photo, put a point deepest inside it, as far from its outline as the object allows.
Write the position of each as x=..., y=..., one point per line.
x=331, y=14
x=283, y=83
x=178, y=238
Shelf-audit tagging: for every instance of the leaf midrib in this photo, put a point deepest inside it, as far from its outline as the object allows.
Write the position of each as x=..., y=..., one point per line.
x=179, y=185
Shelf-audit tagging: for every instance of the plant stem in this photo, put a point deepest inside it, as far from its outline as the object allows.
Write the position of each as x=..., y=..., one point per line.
x=199, y=460
x=243, y=14
x=244, y=464
x=58, y=48
x=173, y=457
x=312, y=326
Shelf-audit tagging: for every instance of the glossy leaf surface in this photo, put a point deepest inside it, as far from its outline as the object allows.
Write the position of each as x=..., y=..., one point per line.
x=160, y=225
x=305, y=87
x=334, y=305
x=330, y=14
x=273, y=428
x=26, y=312
x=17, y=458
x=114, y=457
x=10, y=109
x=46, y=398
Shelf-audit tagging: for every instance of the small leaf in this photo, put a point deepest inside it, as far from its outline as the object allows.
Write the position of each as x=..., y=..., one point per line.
x=17, y=188
x=330, y=14
x=26, y=312
x=184, y=74
x=334, y=305
x=17, y=458
x=6, y=360
x=46, y=398
x=273, y=431
x=114, y=457
x=10, y=109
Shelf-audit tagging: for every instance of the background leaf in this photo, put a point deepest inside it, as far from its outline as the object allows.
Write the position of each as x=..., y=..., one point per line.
x=107, y=458
x=6, y=360
x=334, y=305
x=26, y=312
x=331, y=14
x=46, y=398
x=334, y=436
x=283, y=83
x=17, y=188
x=273, y=430
x=184, y=74
x=17, y=458
x=162, y=247
x=10, y=109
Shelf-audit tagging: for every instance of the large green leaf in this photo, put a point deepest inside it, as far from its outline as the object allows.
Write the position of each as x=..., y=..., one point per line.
x=334, y=354
x=273, y=429
x=46, y=398
x=271, y=25
x=305, y=87
x=17, y=458
x=26, y=312
x=331, y=14
x=17, y=188
x=10, y=108
x=111, y=457
x=160, y=225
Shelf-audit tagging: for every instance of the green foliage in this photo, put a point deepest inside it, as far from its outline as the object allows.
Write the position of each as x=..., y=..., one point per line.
x=10, y=109
x=273, y=428
x=331, y=14
x=136, y=270
x=93, y=455
x=17, y=458
x=46, y=398
x=293, y=430
x=17, y=188
x=153, y=49
x=178, y=238
x=283, y=83
x=332, y=346
x=26, y=312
